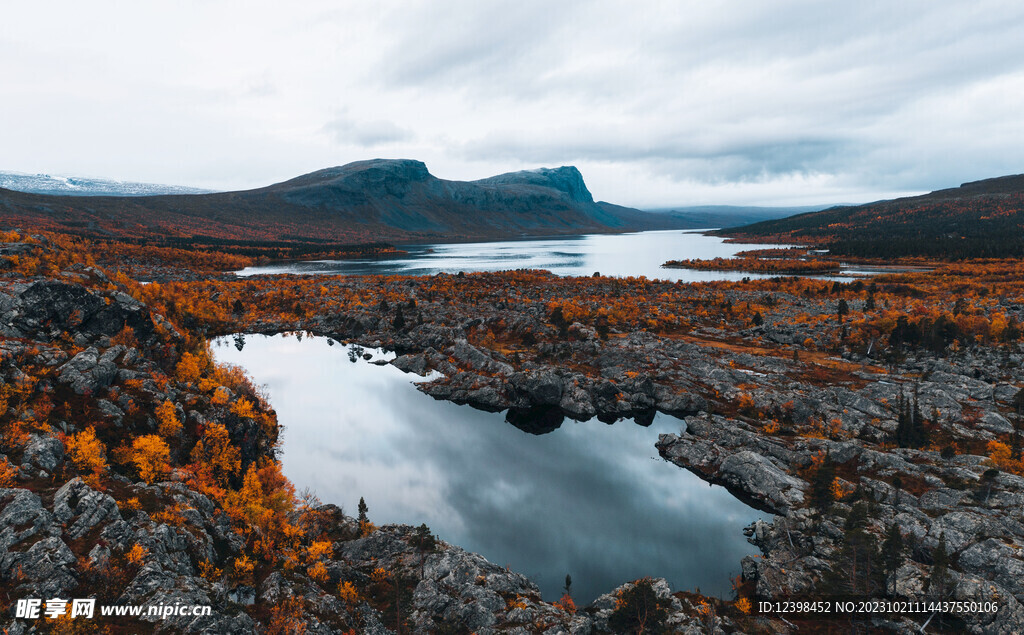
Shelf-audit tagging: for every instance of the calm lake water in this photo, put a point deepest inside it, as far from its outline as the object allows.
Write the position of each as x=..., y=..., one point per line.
x=639, y=254
x=589, y=499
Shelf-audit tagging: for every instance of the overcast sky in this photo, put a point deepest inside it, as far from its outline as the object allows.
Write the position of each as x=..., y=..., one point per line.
x=657, y=103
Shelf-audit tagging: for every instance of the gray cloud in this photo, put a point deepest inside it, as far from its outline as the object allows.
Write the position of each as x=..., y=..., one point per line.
x=366, y=133
x=658, y=102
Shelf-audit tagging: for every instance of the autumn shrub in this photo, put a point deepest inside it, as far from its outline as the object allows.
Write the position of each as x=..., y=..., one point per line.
x=168, y=423
x=8, y=473
x=151, y=457
x=243, y=568
x=189, y=367
x=87, y=452
x=215, y=456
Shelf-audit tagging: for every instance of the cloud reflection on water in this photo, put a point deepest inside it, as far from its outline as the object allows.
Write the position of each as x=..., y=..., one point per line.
x=589, y=499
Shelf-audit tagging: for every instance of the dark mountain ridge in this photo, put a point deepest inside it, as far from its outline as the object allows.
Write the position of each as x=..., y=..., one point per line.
x=378, y=199
x=979, y=219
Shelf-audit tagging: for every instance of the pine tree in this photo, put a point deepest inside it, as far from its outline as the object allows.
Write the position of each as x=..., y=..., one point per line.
x=892, y=551
x=857, y=571
x=939, y=579
x=842, y=310
x=363, y=518
x=821, y=484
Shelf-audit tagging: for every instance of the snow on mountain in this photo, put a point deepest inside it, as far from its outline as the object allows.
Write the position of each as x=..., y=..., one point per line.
x=83, y=186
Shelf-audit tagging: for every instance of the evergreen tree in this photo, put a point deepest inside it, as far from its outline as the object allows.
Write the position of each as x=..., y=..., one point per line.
x=892, y=551
x=821, y=484
x=399, y=321
x=363, y=518
x=842, y=310
x=939, y=579
x=857, y=570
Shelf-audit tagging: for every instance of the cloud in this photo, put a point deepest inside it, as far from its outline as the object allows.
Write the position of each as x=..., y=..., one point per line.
x=698, y=102
x=344, y=130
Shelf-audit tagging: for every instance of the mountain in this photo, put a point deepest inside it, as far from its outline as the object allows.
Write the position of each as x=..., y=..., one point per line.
x=700, y=216
x=980, y=219
x=375, y=200
x=84, y=186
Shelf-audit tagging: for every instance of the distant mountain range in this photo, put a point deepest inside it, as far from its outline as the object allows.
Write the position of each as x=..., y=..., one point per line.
x=701, y=216
x=84, y=186
x=375, y=200
x=980, y=219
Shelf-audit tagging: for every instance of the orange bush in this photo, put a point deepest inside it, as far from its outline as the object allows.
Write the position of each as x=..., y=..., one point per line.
x=151, y=456
x=169, y=425
x=87, y=452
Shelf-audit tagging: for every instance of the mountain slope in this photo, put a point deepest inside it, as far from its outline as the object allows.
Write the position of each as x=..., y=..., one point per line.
x=394, y=200
x=731, y=215
x=85, y=186
x=980, y=219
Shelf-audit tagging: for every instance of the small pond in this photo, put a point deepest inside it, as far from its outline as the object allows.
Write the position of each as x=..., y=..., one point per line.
x=589, y=499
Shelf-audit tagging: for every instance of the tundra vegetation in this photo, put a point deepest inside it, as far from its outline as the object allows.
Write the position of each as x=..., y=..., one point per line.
x=878, y=420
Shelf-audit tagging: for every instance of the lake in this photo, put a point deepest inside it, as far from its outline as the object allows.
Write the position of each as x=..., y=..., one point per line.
x=638, y=254
x=588, y=499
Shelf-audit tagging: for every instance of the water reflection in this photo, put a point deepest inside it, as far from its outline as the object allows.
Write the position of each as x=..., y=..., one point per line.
x=639, y=254
x=589, y=499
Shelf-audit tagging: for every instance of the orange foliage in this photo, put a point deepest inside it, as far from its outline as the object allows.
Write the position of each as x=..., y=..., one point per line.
x=215, y=456
x=136, y=554
x=189, y=367
x=8, y=473
x=87, y=452
x=151, y=456
x=169, y=425
x=243, y=408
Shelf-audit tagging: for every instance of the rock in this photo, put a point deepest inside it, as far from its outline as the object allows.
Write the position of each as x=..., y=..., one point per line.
x=995, y=560
x=541, y=388
x=995, y=422
x=44, y=452
x=87, y=373
x=416, y=364
x=76, y=501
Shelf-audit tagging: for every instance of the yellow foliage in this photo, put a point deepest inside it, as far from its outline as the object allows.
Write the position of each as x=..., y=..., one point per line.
x=87, y=452
x=215, y=453
x=220, y=396
x=517, y=603
x=566, y=604
x=189, y=367
x=136, y=554
x=169, y=425
x=243, y=408
x=743, y=604
x=318, y=572
x=319, y=550
x=209, y=571
x=7, y=473
x=151, y=455
x=243, y=568
x=348, y=592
